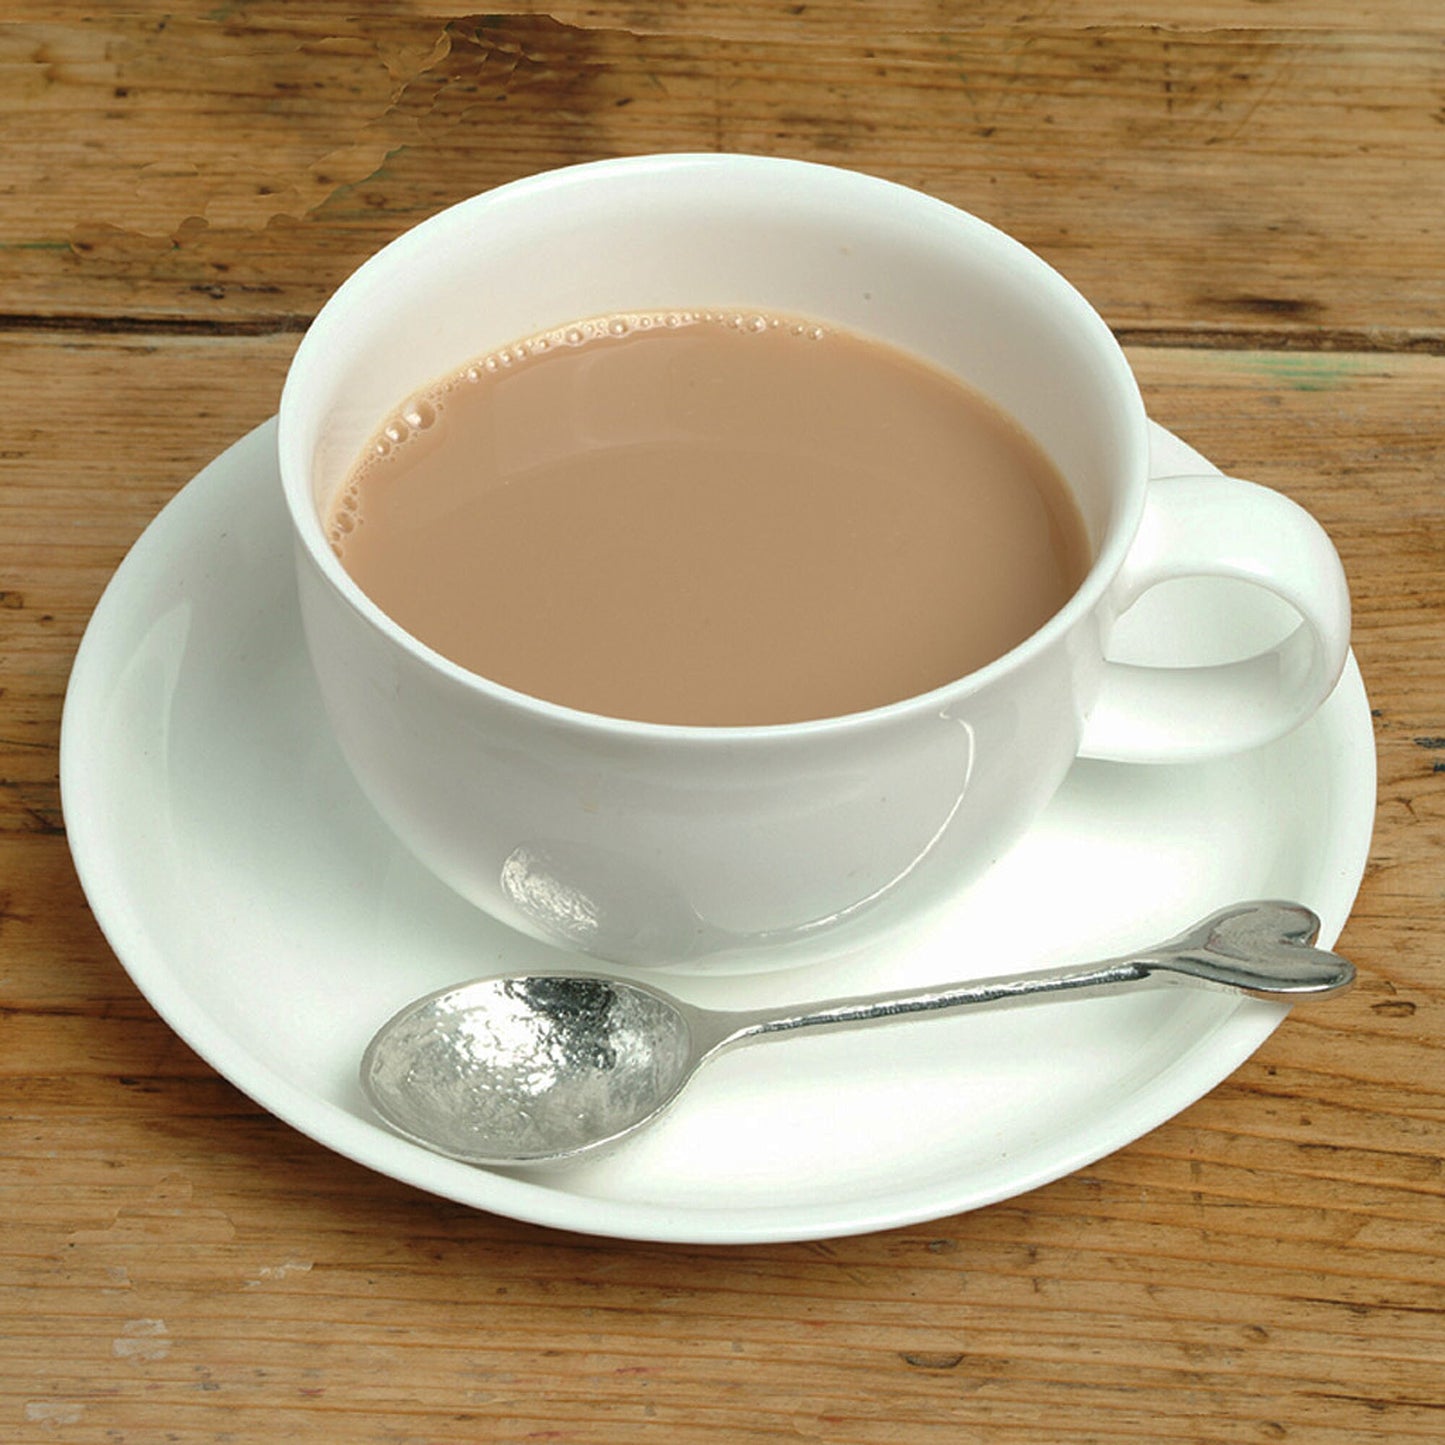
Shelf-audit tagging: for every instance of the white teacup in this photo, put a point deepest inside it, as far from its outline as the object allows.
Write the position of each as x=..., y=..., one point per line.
x=746, y=846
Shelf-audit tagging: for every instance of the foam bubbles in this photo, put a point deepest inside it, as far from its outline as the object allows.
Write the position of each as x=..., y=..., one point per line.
x=345, y=515
x=422, y=411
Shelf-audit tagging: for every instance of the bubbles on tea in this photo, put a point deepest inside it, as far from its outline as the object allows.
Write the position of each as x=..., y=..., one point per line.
x=422, y=411
x=345, y=515
x=414, y=417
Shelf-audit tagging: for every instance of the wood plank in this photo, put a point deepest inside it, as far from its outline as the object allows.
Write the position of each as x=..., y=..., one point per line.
x=783, y=19
x=1202, y=183
x=175, y=1263
x=790, y=19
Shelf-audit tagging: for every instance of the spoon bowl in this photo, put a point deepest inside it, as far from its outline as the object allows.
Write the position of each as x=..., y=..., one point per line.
x=522, y=1068
x=534, y=1068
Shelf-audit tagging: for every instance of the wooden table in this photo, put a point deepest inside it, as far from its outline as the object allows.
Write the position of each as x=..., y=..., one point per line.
x=1252, y=195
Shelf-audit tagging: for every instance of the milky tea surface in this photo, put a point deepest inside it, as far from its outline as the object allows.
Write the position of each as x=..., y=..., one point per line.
x=709, y=518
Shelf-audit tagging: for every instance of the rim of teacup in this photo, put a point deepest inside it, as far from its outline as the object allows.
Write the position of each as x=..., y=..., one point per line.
x=307, y=525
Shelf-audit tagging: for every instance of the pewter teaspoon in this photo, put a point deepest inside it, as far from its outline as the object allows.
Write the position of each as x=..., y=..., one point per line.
x=538, y=1067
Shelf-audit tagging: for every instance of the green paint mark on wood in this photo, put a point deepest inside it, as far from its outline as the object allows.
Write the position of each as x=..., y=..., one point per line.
x=1308, y=370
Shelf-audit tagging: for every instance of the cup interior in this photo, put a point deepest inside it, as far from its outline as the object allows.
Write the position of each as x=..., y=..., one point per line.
x=714, y=231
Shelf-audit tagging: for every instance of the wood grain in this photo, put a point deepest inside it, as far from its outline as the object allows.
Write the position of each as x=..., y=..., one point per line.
x=1274, y=182
x=797, y=22
x=1251, y=194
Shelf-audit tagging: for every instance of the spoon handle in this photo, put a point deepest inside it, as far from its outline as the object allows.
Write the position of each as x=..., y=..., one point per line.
x=1261, y=949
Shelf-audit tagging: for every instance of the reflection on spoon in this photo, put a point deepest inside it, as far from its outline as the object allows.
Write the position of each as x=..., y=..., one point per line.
x=539, y=1067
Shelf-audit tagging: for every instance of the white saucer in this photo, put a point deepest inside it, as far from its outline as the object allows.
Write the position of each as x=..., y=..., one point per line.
x=271, y=920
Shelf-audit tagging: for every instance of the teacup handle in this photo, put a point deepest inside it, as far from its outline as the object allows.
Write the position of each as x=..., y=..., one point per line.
x=1212, y=526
